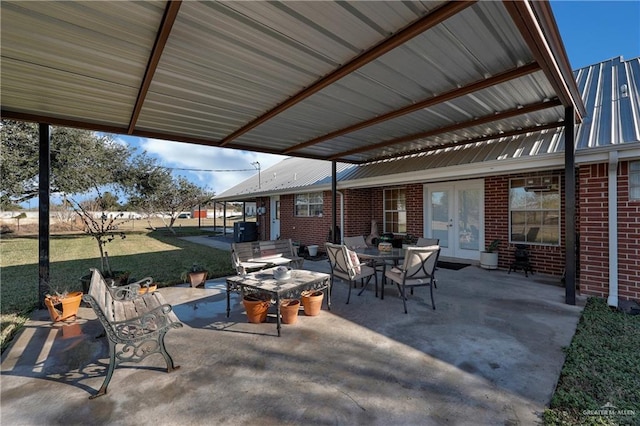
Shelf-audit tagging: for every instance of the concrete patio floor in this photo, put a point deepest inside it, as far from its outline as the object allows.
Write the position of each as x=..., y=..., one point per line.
x=490, y=354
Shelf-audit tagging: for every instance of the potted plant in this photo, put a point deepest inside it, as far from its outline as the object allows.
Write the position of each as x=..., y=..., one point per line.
x=197, y=275
x=63, y=304
x=312, y=302
x=489, y=257
x=289, y=310
x=256, y=305
x=409, y=240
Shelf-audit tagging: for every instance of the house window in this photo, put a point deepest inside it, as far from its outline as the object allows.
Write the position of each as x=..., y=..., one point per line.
x=395, y=211
x=534, y=210
x=634, y=180
x=309, y=205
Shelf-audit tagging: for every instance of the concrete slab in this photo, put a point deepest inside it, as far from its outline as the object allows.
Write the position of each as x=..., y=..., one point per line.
x=490, y=354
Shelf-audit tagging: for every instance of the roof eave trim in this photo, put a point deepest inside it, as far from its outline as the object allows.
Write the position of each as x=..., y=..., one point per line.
x=537, y=26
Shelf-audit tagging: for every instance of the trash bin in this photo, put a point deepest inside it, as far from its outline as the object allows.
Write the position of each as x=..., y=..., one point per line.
x=245, y=231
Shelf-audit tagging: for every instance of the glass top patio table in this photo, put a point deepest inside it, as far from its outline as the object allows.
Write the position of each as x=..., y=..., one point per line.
x=373, y=254
x=264, y=281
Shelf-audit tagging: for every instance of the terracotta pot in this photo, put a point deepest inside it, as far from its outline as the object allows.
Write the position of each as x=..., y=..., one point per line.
x=151, y=289
x=197, y=278
x=312, y=303
x=63, y=308
x=289, y=309
x=256, y=310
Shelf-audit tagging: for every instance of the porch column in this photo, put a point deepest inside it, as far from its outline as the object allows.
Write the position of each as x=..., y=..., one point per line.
x=570, y=206
x=43, y=211
x=224, y=219
x=334, y=203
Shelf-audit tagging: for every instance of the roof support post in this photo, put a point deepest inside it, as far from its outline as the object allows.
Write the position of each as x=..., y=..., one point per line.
x=570, y=205
x=334, y=203
x=43, y=211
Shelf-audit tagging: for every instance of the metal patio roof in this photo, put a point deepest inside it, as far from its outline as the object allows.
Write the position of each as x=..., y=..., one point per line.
x=610, y=90
x=349, y=81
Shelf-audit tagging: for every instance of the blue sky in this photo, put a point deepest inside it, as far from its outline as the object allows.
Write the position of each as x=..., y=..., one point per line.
x=592, y=31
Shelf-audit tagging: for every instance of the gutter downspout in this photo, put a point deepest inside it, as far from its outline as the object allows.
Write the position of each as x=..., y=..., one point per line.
x=612, y=300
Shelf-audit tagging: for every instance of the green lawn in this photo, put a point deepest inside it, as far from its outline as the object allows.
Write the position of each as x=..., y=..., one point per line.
x=601, y=371
x=157, y=254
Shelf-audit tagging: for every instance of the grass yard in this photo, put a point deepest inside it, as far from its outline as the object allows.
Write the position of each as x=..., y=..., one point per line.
x=158, y=254
x=601, y=371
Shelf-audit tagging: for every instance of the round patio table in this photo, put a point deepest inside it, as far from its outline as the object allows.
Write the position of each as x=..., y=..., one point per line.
x=380, y=258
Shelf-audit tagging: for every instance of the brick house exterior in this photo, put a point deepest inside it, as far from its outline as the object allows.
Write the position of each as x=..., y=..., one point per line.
x=607, y=156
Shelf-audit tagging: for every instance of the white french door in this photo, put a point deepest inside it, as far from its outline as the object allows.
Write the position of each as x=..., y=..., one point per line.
x=454, y=213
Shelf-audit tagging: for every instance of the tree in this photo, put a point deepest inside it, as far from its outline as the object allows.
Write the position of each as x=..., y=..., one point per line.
x=103, y=229
x=80, y=161
x=158, y=192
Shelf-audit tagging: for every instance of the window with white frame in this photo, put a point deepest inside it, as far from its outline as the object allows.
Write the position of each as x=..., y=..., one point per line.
x=534, y=210
x=395, y=210
x=309, y=205
x=634, y=180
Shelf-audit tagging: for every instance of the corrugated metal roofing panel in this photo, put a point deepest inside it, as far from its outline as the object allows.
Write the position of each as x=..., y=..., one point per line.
x=90, y=71
x=219, y=66
x=611, y=90
x=622, y=119
x=435, y=57
x=289, y=174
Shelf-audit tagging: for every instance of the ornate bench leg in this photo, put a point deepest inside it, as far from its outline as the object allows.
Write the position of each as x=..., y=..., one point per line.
x=110, y=369
x=163, y=350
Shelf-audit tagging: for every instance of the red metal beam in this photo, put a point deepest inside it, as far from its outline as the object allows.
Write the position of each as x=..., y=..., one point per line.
x=462, y=125
x=436, y=17
x=170, y=14
x=452, y=94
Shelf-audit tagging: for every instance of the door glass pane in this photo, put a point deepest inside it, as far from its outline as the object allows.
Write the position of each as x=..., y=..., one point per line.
x=469, y=219
x=440, y=216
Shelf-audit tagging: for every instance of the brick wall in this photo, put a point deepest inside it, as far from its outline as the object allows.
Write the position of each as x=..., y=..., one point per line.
x=364, y=205
x=628, y=238
x=594, y=233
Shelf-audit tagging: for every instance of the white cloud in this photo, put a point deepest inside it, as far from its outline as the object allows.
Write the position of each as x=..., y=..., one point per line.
x=206, y=158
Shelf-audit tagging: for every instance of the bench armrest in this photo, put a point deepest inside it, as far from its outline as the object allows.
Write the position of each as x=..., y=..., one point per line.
x=130, y=291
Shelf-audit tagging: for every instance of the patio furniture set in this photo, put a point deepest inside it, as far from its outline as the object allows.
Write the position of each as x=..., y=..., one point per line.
x=353, y=261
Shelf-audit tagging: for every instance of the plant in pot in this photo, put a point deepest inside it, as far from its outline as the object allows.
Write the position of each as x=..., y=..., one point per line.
x=409, y=240
x=257, y=306
x=489, y=257
x=196, y=275
x=312, y=302
x=63, y=304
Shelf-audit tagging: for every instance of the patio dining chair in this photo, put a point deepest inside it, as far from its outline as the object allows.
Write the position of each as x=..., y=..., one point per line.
x=418, y=270
x=346, y=266
x=426, y=242
x=359, y=242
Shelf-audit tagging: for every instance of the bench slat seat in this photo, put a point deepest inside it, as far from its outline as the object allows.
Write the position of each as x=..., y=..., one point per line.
x=255, y=255
x=134, y=323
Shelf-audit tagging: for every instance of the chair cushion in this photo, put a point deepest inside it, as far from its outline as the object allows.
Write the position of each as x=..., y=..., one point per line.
x=355, y=261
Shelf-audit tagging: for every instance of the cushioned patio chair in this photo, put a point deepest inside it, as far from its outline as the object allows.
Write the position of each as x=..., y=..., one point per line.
x=359, y=242
x=418, y=270
x=426, y=242
x=346, y=266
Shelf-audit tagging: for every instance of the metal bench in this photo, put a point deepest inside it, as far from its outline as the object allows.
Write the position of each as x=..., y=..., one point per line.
x=256, y=255
x=134, y=323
